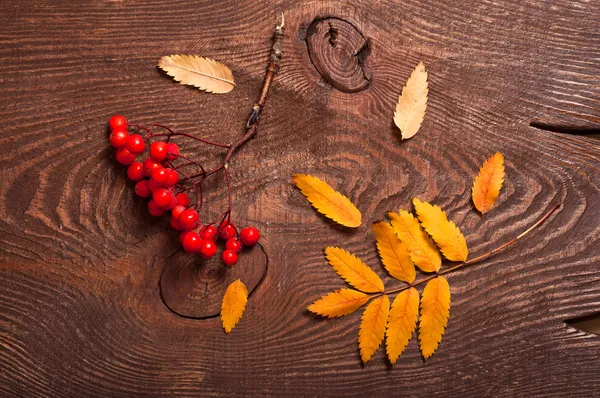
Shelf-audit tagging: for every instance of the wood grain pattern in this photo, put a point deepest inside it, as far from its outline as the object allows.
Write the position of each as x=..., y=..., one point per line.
x=81, y=261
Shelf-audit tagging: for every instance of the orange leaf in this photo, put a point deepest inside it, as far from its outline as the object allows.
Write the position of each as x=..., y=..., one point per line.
x=339, y=303
x=445, y=233
x=353, y=270
x=435, y=311
x=422, y=249
x=372, y=327
x=234, y=304
x=488, y=183
x=204, y=73
x=394, y=253
x=328, y=201
x=401, y=323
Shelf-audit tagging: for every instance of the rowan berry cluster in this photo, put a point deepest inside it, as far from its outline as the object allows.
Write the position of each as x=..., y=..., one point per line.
x=161, y=177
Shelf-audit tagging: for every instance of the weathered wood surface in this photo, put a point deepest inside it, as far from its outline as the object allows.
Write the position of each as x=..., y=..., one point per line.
x=81, y=261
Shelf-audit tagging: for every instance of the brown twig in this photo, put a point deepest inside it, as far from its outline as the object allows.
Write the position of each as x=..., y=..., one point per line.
x=476, y=259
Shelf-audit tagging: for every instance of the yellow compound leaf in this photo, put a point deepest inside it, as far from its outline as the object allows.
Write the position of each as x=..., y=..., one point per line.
x=435, y=311
x=411, y=106
x=420, y=246
x=401, y=323
x=328, y=201
x=234, y=304
x=445, y=233
x=353, y=270
x=488, y=183
x=394, y=253
x=372, y=327
x=339, y=303
x=204, y=73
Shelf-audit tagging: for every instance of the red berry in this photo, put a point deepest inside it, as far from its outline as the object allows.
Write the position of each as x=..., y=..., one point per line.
x=154, y=209
x=135, y=171
x=183, y=235
x=118, y=138
x=173, y=178
x=177, y=211
x=227, y=231
x=162, y=197
x=117, y=121
x=229, y=257
x=189, y=219
x=125, y=157
x=173, y=202
x=160, y=176
x=175, y=224
x=209, y=232
x=208, y=248
x=172, y=151
x=150, y=165
x=234, y=245
x=135, y=143
x=192, y=242
x=153, y=185
x=158, y=151
x=249, y=236
x=183, y=199
x=141, y=189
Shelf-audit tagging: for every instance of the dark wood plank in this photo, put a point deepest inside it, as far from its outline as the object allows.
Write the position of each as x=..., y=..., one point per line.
x=80, y=260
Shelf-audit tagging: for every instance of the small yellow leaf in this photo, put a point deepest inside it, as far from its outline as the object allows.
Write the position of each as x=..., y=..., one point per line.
x=394, y=253
x=411, y=106
x=234, y=304
x=372, y=327
x=401, y=323
x=353, y=270
x=435, y=311
x=488, y=183
x=445, y=233
x=204, y=73
x=328, y=201
x=420, y=246
x=339, y=303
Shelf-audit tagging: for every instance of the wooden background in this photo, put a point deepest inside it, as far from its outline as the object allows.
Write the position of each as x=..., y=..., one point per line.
x=81, y=261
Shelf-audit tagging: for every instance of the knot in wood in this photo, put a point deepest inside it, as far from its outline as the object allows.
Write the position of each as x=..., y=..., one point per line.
x=338, y=51
x=194, y=288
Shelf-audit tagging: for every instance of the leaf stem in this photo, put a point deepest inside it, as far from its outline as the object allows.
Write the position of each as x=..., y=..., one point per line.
x=476, y=259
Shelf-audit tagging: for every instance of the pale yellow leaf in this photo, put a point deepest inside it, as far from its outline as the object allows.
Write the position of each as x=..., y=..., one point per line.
x=411, y=106
x=394, y=253
x=435, y=311
x=339, y=303
x=353, y=270
x=401, y=323
x=488, y=183
x=204, y=73
x=420, y=246
x=234, y=304
x=372, y=327
x=445, y=233
x=328, y=201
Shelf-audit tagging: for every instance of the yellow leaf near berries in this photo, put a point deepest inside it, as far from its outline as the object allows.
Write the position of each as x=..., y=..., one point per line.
x=411, y=106
x=445, y=233
x=401, y=323
x=372, y=327
x=203, y=73
x=353, y=270
x=420, y=246
x=488, y=183
x=339, y=303
x=327, y=201
x=234, y=304
x=435, y=311
x=394, y=253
